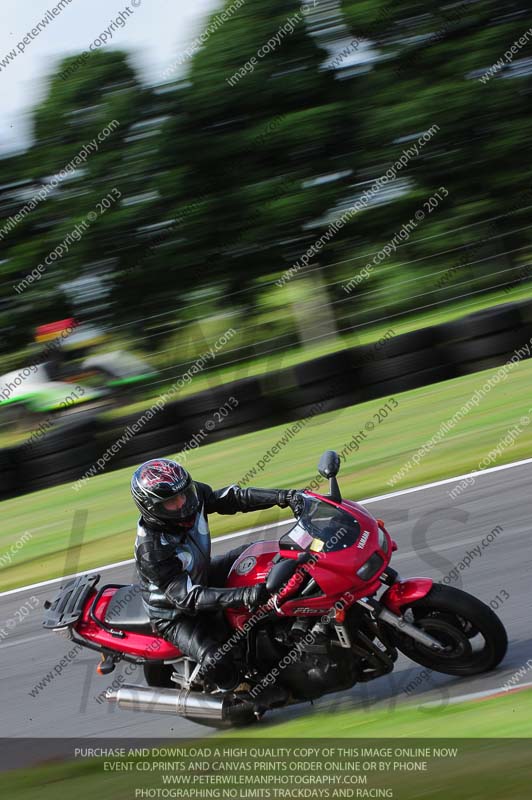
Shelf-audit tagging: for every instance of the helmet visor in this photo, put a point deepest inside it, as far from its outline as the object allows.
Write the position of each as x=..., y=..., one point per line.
x=178, y=507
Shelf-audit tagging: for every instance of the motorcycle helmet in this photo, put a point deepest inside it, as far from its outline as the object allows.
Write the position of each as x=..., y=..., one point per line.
x=165, y=494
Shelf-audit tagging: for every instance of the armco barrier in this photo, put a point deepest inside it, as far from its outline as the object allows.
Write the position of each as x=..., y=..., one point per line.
x=478, y=341
x=8, y=473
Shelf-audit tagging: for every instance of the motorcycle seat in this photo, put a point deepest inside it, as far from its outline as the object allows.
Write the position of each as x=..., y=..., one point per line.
x=126, y=610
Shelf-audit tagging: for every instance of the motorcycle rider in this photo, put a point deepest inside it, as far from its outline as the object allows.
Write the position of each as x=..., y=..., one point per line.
x=181, y=585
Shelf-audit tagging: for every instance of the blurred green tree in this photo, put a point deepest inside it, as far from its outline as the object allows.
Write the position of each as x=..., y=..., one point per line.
x=287, y=114
x=264, y=145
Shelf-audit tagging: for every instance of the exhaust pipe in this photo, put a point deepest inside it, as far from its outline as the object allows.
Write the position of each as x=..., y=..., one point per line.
x=220, y=711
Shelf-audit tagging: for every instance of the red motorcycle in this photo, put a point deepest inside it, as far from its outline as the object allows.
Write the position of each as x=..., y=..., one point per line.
x=323, y=630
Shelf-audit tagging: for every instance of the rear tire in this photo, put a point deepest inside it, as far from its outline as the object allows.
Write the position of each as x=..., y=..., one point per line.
x=461, y=622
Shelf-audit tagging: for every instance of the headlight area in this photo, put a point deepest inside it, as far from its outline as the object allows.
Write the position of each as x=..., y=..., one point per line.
x=368, y=570
x=376, y=562
x=383, y=541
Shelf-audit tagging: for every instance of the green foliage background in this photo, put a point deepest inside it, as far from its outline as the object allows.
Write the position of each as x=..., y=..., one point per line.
x=225, y=187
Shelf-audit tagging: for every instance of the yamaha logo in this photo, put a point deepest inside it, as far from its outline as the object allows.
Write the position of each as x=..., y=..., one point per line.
x=363, y=539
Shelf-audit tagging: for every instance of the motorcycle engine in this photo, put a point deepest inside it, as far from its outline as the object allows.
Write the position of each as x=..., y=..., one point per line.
x=308, y=658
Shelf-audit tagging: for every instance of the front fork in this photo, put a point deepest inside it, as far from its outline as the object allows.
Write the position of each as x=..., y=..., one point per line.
x=389, y=608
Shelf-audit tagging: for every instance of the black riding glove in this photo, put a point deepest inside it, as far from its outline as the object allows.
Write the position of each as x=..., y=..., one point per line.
x=255, y=596
x=291, y=498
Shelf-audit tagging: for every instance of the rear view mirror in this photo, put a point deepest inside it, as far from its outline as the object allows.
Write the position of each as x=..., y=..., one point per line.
x=329, y=465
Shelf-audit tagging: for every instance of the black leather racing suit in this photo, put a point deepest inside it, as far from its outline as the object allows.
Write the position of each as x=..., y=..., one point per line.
x=181, y=585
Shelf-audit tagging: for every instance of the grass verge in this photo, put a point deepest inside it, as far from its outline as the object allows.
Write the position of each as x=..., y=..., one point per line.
x=375, y=456
x=482, y=769
x=504, y=717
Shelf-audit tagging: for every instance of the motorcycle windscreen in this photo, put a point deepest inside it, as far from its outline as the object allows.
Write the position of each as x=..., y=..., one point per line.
x=321, y=528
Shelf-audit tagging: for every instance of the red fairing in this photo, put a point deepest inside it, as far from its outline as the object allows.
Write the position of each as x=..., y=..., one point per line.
x=151, y=648
x=250, y=568
x=405, y=592
x=335, y=572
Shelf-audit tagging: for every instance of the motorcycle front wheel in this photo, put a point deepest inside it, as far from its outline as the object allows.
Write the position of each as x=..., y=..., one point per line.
x=473, y=637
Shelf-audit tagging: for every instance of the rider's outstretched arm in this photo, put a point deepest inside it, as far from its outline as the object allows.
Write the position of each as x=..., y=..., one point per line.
x=232, y=499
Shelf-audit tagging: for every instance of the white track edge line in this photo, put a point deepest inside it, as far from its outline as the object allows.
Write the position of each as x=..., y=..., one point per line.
x=247, y=531
x=495, y=692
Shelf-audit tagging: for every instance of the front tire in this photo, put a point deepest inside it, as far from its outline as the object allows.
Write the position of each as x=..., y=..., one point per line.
x=474, y=637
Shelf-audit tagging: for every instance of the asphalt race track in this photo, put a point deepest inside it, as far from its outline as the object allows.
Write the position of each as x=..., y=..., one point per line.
x=434, y=534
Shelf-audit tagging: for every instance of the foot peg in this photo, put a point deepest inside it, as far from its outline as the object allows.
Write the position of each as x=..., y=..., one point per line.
x=106, y=665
